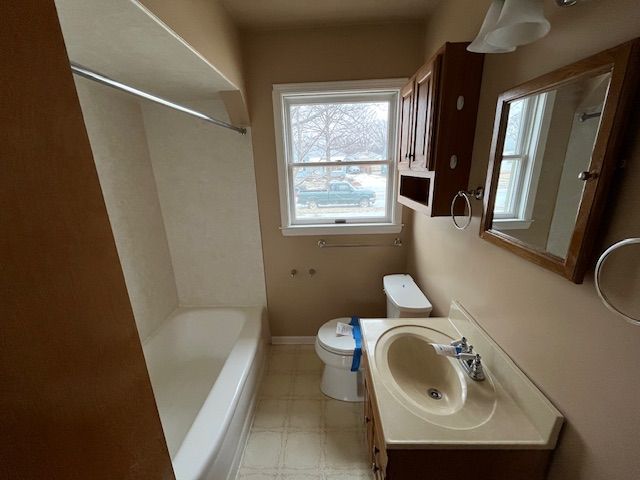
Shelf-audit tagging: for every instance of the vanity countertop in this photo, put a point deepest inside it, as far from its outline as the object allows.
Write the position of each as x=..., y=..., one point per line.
x=519, y=416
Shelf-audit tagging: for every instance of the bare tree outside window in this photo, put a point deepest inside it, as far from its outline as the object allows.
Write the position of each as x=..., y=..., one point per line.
x=327, y=132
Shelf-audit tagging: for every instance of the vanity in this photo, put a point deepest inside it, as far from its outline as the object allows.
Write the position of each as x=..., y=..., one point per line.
x=427, y=418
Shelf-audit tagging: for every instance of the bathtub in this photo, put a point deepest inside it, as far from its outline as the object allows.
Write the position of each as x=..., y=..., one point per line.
x=205, y=364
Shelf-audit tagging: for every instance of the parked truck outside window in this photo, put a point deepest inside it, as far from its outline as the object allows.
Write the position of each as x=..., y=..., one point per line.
x=336, y=193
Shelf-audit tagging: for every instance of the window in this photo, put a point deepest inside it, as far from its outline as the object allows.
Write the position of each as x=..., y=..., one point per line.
x=336, y=143
x=524, y=144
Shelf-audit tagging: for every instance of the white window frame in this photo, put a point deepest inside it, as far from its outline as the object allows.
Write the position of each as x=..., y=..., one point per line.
x=530, y=154
x=283, y=96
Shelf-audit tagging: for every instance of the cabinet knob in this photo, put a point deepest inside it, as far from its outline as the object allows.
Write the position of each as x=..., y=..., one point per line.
x=584, y=176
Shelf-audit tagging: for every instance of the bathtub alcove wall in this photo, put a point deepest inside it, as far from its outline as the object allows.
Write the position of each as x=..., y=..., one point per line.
x=181, y=199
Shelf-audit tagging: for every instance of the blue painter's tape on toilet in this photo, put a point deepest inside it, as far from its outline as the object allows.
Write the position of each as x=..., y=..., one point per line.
x=357, y=337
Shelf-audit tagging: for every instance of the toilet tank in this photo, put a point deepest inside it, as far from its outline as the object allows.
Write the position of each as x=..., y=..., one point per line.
x=404, y=298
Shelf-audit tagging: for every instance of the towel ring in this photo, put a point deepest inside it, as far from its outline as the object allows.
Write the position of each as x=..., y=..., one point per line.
x=601, y=294
x=466, y=194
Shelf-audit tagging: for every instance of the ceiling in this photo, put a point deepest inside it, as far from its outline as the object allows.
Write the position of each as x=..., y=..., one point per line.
x=295, y=13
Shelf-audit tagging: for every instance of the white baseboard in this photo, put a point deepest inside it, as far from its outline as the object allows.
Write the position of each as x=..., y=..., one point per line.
x=293, y=340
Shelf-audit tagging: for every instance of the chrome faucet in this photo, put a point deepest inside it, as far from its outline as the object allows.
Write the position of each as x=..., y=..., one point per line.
x=471, y=362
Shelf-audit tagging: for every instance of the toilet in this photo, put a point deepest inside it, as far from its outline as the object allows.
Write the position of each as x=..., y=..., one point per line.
x=404, y=300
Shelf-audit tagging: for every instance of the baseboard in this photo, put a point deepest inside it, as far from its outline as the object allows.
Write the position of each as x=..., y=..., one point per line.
x=293, y=340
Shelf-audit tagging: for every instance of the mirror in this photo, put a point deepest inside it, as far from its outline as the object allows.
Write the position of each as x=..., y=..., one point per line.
x=549, y=138
x=553, y=157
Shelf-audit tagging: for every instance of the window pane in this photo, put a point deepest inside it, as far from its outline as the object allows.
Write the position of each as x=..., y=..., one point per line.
x=514, y=130
x=507, y=184
x=339, y=131
x=329, y=193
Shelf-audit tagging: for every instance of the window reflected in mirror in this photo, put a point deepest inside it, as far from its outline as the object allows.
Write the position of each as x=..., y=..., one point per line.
x=548, y=141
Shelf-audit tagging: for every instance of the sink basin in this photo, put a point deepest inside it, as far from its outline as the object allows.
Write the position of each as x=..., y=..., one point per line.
x=433, y=387
x=428, y=401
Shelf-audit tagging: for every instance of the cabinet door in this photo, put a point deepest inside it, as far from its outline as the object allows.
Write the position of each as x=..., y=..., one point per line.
x=368, y=419
x=405, y=151
x=426, y=100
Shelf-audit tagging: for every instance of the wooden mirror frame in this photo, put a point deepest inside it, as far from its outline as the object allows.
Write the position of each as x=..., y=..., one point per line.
x=623, y=63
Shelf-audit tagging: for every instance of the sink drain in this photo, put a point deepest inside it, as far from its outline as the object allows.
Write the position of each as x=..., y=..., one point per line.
x=434, y=393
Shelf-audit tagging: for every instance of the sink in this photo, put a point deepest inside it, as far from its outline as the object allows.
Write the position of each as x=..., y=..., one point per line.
x=428, y=401
x=432, y=386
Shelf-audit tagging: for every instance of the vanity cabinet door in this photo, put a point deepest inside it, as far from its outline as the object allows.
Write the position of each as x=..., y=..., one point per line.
x=379, y=455
x=407, y=103
x=368, y=420
x=426, y=94
x=374, y=438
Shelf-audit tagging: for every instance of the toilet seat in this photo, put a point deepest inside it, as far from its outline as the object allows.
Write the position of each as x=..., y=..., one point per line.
x=330, y=341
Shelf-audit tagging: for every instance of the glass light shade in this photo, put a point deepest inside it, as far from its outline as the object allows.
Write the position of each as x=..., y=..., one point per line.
x=520, y=22
x=479, y=45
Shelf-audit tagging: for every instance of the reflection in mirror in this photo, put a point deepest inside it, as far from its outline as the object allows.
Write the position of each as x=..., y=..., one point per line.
x=549, y=138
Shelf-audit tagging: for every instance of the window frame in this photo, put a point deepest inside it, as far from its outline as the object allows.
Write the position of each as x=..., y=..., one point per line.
x=284, y=95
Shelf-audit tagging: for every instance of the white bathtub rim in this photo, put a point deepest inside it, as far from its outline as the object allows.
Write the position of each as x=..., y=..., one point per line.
x=191, y=461
x=248, y=421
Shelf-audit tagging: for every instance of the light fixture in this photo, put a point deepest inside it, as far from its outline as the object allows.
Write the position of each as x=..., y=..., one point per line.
x=479, y=45
x=520, y=22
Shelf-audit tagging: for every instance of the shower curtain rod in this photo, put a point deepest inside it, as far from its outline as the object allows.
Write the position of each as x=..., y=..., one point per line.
x=99, y=78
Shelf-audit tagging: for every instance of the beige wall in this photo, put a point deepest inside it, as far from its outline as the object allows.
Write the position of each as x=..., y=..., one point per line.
x=207, y=191
x=583, y=357
x=116, y=131
x=349, y=281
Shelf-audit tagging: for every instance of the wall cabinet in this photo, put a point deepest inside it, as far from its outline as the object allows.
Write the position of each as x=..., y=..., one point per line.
x=415, y=462
x=438, y=109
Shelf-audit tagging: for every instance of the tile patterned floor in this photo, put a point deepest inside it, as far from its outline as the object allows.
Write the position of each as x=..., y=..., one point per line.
x=298, y=433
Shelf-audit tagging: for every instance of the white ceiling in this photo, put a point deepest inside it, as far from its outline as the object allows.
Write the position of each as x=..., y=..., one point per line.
x=293, y=13
x=122, y=40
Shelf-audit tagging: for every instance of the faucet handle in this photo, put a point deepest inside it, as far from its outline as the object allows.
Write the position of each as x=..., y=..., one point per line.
x=460, y=343
x=476, y=372
x=463, y=344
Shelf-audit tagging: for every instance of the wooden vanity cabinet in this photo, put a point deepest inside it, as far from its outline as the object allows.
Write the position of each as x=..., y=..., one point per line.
x=438, y=109
x=428, y=463
x=375, y=440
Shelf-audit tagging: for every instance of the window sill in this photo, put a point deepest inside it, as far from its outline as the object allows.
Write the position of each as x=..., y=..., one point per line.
x=512, y=224
x=358, y=229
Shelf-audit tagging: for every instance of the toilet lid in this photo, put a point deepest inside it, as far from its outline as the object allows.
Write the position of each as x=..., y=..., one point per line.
x=329, y=340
